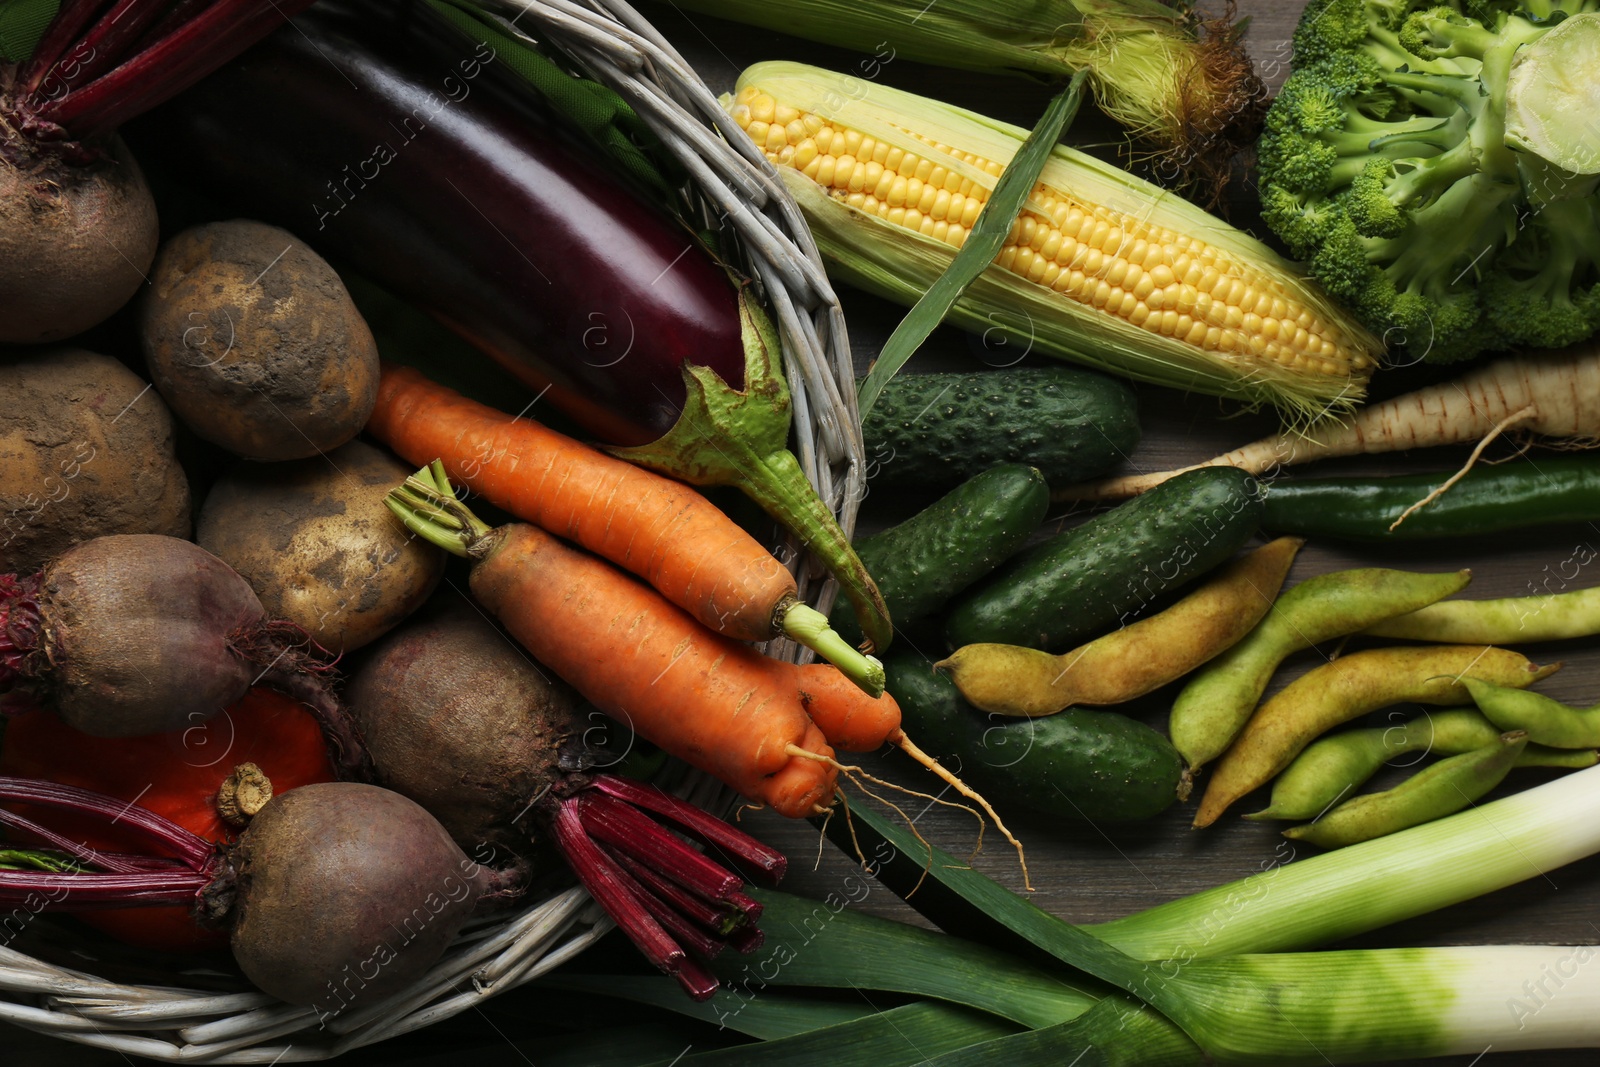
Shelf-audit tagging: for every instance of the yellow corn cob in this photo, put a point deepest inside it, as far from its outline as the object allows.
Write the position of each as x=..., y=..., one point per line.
x=1131, y=277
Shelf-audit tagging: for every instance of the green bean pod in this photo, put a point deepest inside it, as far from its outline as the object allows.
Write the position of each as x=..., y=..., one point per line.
x=1546, y=721
x=1344, y=689
x=1440, y=790
x=1335, y=766
x=1214, y=706
x=1517, y=620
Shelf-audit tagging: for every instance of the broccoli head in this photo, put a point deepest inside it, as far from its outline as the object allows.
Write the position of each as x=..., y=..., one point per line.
x=1389, y=164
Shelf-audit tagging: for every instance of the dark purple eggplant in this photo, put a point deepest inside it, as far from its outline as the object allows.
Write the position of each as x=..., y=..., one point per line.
x=387, y=142
x=386, y=138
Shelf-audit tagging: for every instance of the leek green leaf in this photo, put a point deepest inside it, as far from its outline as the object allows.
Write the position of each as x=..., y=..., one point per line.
x=906, y=1035
x=769, y=1017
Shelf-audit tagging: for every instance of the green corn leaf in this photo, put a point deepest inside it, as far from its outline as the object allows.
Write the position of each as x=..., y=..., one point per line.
x=988, y=236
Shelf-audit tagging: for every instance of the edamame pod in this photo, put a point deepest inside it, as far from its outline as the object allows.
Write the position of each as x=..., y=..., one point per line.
x=1335, y=766
x=1132, y=661
x=1214, y=706
x=1347, y=688
x=1517, y=620
x=1442, y=789
x=1546, y=721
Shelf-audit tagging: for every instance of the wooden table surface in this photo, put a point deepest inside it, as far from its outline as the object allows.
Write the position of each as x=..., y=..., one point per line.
x=1091, y=873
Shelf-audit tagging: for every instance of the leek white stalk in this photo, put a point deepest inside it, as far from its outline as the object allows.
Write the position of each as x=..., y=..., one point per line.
x=1380, y=1004
x=1338, y=894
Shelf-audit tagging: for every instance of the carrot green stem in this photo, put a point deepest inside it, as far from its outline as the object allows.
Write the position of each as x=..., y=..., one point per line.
x=427, y=505
x=809, y=627
x=728, y=437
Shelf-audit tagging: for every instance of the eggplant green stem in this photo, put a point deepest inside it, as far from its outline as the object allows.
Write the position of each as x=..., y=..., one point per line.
x=729, y=437
x=808, y=626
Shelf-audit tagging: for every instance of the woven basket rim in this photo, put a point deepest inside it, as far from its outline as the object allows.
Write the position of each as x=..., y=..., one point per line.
x=738, y=186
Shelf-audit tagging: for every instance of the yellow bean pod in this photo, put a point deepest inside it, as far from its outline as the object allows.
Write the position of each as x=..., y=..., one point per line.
x=1130, y=662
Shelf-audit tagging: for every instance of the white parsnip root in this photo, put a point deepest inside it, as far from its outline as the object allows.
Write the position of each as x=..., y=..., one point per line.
x=1555, y=397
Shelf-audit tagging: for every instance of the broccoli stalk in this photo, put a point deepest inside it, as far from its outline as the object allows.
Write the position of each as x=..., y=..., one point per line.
x=1388, y=163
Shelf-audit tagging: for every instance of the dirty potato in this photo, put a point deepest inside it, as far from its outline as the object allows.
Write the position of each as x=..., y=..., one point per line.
x=255, y=343
x=85, y=449
x=315, y=541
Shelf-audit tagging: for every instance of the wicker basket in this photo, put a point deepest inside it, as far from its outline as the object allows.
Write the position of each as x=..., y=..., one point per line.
x=736, y=185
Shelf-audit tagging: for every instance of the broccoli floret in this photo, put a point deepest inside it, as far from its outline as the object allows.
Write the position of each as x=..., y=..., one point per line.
x=1384, y=166
x=1530, y=296
x=1367, y=203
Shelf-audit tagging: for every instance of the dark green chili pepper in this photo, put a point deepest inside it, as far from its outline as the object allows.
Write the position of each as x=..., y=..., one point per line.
x=1507, y=496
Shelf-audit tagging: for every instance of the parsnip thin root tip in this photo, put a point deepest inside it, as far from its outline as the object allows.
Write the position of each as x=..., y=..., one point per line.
x=1520, y=415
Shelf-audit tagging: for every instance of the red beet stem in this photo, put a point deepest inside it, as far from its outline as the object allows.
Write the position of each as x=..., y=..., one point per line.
x=719, y=920
x=175, y=16
x=748, y=906
x=166, y=68
x=59, y=36
x=608, y=884
x=107, y=41
x=696, y=980
x=740, y=846
x=617, y=824
x=747, y=939
x=673, y=921
x=76, y=849
x=195, y=851
x=94, y=892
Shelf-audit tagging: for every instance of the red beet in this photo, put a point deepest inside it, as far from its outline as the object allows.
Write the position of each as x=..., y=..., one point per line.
x=457, y=717
x=336, y=896
x=136, y=634
x=347, y=893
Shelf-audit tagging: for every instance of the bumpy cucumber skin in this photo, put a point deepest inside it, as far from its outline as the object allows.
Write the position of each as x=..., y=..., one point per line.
x=1081, y=765
x=941, y=429
x=1082, y=583
x=923, y=562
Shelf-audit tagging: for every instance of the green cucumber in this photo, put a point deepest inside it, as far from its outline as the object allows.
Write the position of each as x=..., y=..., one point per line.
x=1083, y=765
x=937, y=430
x=1082, y=583
x=923, y=562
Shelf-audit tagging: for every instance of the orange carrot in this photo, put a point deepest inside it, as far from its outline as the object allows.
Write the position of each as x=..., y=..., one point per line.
x=760, y=725
x=662, y=530
x=713, y=702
